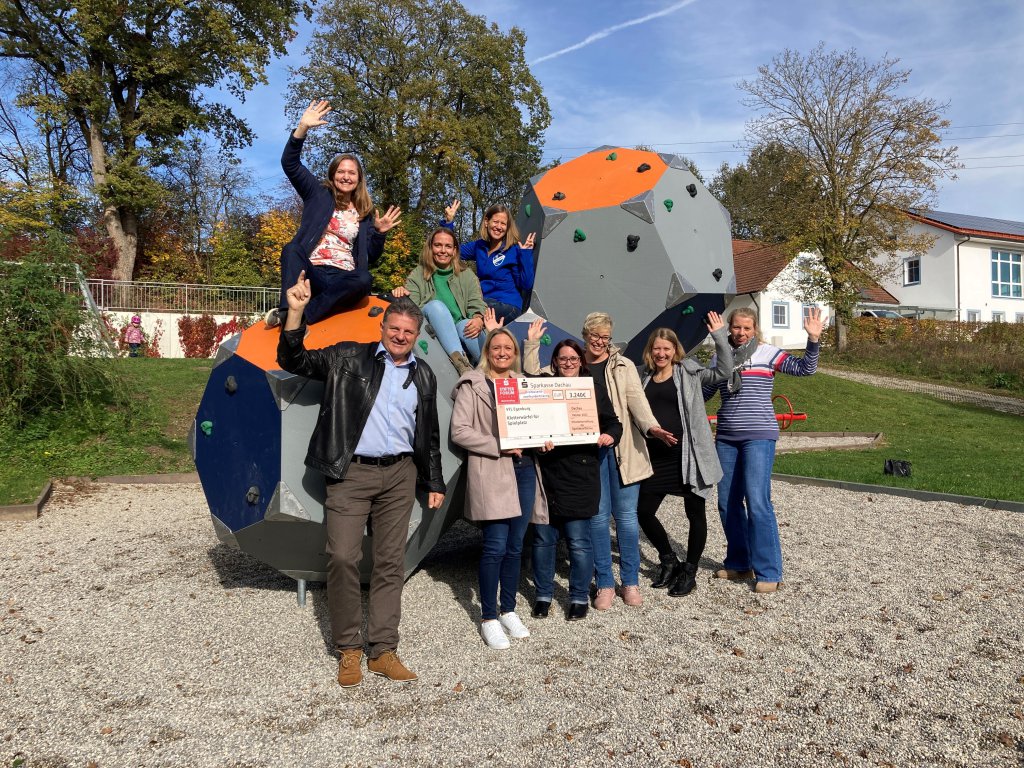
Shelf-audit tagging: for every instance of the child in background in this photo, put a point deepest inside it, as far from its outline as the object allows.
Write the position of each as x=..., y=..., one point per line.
x=133, y=336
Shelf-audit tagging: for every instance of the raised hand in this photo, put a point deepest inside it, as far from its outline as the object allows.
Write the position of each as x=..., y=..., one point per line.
x=388, y=220
x=451, y=210
x=714, y=321
x=814, y=323
x=491, y=322
x=527, y=244
x=536, y=330
x=313, y=117
x=299, y=294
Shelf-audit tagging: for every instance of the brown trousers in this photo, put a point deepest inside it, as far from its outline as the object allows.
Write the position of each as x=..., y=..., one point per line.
x=383, y=495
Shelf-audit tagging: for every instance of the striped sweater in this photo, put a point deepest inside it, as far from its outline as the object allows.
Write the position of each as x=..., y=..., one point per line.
x=748, y=414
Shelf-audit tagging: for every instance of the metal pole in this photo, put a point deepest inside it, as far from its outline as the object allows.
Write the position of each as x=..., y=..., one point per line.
x=300, y=590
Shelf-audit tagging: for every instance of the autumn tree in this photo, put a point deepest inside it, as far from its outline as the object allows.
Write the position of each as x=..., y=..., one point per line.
x=131, y=77
x=840, y=154
x=434, y=100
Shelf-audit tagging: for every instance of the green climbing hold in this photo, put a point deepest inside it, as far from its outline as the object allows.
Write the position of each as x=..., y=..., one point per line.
x=579, y=236
x=546, y=339
x=688, y=310
x=612, y=156
x=527, y=208
x=423, y=346
x=668, y=205
x=206, y=427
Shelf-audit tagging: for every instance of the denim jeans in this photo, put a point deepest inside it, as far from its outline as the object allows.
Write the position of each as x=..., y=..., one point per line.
x=576, y=533
x=617, y=501
x=333, y=289
x=502, y=556
x=451, y=334
x=503, y=310
x=751, y=531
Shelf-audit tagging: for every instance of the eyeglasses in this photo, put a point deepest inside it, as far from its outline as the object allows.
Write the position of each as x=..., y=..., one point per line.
x=595, y=339
x=567, y=360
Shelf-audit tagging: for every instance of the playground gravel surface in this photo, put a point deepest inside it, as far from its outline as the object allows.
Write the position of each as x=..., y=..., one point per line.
x=131, y=637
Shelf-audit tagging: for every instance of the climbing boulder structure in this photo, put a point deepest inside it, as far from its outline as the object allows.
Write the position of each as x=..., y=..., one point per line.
x=624, y=231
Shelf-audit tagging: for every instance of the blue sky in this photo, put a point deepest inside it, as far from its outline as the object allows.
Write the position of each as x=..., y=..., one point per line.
x=664, y=73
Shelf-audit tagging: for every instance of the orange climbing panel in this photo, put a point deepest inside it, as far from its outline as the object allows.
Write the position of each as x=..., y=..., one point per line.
x=593, y=181
x=258, y=344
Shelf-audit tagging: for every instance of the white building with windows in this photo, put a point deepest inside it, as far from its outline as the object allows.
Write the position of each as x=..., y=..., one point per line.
x=972, y=271
x=766, y=281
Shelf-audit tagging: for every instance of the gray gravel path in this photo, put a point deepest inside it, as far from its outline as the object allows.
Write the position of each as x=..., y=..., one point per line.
x=130, y=636
x=1012, y=405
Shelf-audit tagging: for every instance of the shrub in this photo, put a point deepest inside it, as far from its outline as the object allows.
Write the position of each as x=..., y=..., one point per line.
x=150, y=341
x=53, y=350
x=197, y=335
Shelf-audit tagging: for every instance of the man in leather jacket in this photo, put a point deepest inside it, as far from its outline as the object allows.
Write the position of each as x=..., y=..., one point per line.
x=376, y=434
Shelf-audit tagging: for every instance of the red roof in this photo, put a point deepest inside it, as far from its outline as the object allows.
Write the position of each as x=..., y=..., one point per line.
x=757, y=264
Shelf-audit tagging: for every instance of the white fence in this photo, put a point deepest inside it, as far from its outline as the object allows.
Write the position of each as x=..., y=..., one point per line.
x=181, y=298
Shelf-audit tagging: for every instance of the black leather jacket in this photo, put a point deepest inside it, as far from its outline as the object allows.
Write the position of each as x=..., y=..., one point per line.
x=352, y=373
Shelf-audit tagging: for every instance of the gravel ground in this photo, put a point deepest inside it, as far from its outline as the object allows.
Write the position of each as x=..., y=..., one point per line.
x=130, y=636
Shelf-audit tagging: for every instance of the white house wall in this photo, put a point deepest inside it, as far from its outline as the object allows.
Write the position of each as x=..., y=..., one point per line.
x=166, y=322
x=937, y=290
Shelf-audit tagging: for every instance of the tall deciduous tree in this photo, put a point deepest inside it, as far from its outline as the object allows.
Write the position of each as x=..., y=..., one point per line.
x=129, y=75
x=861, y=153
x=435, y=101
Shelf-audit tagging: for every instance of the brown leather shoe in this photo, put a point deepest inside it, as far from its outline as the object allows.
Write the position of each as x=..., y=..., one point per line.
x=725, y=573
x=604, y=598
x=631, y=596
x=767, y=587
x=388, y=665
x=350, y=668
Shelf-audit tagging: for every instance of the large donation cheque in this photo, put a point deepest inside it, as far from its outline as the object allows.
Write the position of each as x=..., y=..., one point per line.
x=532, y=412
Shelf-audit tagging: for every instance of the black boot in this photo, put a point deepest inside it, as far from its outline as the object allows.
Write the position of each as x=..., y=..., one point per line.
x=686, y=580
x=669, y=571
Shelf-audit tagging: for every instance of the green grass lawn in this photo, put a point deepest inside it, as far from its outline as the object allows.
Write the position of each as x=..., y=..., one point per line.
x=166, y=394
x=954, y=448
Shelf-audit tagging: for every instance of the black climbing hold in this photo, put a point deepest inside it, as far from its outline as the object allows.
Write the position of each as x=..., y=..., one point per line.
x=631, y=242
x=579, y=236
x=230, y=385
x=643, y=167
x=374, y=311
x=717, y=274
x=692, y=189
x=252, y=495
x=558, y=196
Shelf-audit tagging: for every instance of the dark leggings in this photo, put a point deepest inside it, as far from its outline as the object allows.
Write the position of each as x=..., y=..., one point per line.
x=647, y=513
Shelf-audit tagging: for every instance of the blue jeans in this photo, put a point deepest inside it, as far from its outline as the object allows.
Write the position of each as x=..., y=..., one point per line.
x=508, y=312
x=450, y=334
x=576, y=533
x=502, y=556
x=333, y=289
x=751, y=532
x=618, y=501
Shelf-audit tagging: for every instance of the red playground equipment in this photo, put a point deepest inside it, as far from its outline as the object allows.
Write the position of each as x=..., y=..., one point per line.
x=784, y=418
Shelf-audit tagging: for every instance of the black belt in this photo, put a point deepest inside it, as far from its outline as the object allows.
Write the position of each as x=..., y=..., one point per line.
x=380, y=461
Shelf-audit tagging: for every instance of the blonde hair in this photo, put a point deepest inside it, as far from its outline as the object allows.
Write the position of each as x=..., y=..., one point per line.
x=427, y=255
x=485, y=365
x=668, y=335
x=748, y=313
x=596, y=320
x=360, y=195
x=511, y=231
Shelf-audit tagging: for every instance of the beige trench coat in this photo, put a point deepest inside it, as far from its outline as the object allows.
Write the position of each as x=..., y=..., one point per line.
x=491, y=491
x=630, y=403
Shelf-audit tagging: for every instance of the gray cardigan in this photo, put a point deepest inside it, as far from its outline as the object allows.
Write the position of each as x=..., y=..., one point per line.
x=688, y=376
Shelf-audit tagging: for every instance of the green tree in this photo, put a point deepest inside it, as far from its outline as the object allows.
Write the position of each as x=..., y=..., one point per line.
x=436, y=102
x=838, y=133
x=129, y=75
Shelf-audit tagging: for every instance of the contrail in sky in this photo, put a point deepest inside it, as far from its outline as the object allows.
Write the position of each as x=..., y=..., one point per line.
x=601, y=34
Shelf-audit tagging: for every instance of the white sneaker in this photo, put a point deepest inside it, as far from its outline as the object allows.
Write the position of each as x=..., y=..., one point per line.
x=493, y=635
x=515, y=628
x=272, y=318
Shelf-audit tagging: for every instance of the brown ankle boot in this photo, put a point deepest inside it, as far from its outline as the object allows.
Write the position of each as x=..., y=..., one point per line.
x=461, y=362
